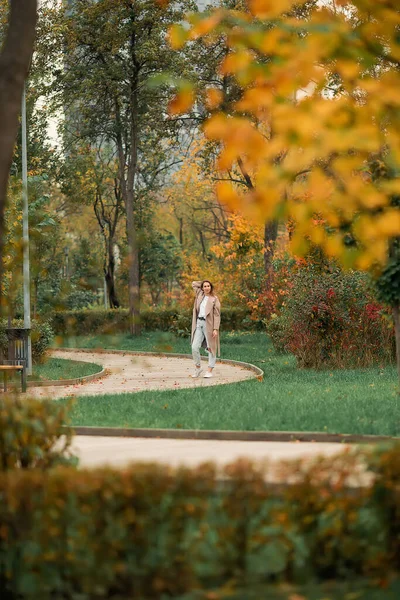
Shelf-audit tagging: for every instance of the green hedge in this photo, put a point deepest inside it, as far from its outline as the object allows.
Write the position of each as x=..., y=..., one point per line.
x=42, y=335
x=153, y=532
x=34, y=434
x=95, y=322
x=149, y=531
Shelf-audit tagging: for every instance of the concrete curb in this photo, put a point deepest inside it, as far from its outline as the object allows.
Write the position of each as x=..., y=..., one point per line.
x=62, y=382
x=259, y=372
x=243, y=436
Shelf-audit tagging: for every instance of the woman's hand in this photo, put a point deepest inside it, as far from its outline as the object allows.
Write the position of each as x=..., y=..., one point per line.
x=215, y=333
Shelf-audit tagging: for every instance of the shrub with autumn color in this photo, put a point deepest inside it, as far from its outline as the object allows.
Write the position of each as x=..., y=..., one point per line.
x=34, y=434
x=268, y=302
x=153, y=532
x=240, y=264
x=331, y=318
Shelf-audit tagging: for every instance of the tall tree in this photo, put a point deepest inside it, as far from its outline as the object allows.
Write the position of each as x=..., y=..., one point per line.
x=15, y=59
x=90, y=176
x=103, y=89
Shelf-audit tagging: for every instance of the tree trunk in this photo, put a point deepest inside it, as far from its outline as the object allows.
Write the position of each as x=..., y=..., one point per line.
x=181, y=231
x=203, y=246
x=131, y=232
x=127, y=191
x=108, y=220
x=270, y=235
x=133, y=266
x=111, y=292
x=155, y=295
x=396, y=317
x=110, y=277
x=15, y=59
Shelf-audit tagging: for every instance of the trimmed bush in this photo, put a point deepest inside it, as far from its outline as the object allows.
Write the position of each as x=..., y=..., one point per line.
x=90, y=322
x=96, y=322
x=182, y=325
x=332, y=319
x=152, y=532
x=42, y=336
x=33, y=434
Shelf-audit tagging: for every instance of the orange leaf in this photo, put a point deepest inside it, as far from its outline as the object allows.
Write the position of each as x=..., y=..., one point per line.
x=216, y=127
x=236, y=61
x=227, y=195
x=182, y=102
x=266, y=9
x=203, y=26
x=214, y=98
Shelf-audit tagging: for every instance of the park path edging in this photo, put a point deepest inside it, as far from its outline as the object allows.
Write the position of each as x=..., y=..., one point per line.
x=248, y=366
x=229, y=435
x=221, y=435
x=61, y=382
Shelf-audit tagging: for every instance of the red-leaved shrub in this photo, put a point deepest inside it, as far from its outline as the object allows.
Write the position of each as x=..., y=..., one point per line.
x=331, y=318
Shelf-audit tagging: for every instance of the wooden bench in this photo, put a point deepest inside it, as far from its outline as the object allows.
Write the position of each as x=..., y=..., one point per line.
x=17, y=355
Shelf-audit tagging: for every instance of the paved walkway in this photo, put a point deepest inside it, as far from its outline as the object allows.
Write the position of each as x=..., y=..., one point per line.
x=118, y=452
x=130, y=373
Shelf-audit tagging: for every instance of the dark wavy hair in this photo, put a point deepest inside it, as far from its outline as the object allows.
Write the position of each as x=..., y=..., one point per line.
x=207, y=281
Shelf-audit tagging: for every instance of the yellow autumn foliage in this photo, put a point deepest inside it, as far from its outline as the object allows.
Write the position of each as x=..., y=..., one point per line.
x=319, y=103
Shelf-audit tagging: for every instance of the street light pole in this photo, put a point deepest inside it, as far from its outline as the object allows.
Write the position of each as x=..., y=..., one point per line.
x=25, y=229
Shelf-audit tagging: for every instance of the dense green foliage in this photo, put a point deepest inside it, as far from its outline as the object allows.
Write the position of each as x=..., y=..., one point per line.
x=33, y=434
x=158, y=533
x=388, y=284
x=100, y=321
x=160, y=262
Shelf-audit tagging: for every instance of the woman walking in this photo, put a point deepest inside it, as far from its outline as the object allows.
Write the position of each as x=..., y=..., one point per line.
x=205, y=326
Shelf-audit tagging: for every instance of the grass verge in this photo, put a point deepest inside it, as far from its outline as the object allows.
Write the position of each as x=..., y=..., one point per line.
x=56, y=369
x=358, y=401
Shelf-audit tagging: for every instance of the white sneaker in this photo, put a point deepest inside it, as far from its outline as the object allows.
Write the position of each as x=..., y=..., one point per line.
x=197, y=372
x=207, y=375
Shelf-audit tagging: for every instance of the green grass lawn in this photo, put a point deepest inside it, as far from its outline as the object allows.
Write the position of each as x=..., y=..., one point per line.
x=289, y=399
x=60, y=368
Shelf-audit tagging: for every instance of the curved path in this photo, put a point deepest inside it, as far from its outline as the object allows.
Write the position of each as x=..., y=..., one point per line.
x=129, y=372
x=96, y=451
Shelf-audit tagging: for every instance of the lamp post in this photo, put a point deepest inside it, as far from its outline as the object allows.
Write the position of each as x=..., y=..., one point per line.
x=25, y=230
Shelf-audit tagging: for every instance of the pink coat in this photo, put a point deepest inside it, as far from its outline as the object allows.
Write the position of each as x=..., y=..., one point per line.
x=213, y=317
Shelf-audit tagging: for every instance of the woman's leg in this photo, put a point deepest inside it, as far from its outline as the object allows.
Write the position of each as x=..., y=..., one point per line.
x=211, y=364
x=211, y=358
x=196, y=345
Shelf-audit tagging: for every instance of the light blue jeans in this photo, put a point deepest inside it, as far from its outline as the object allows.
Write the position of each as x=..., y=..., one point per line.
x=199, y=336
